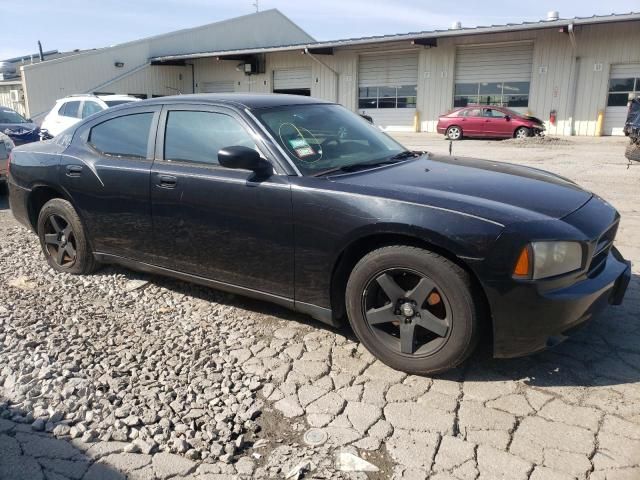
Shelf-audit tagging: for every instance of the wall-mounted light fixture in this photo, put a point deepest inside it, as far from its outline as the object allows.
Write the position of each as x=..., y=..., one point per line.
x=118, y=64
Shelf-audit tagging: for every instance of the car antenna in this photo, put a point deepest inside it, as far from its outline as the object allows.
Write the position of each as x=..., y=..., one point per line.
x=450, y=147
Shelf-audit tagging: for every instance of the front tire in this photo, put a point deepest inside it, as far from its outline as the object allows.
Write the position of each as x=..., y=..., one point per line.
x=413, y=309
x=522, y=132
x=454, y=133
x=63, y=238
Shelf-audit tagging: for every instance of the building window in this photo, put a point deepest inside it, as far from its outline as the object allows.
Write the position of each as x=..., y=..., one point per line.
x=503, y=94
x=621, y=90
x=404, y=96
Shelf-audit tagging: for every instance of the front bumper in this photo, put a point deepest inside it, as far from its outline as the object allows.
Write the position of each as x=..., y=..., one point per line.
x=528, y=318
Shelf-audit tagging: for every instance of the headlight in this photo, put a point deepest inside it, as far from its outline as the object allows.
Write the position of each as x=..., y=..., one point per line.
x=547, y=259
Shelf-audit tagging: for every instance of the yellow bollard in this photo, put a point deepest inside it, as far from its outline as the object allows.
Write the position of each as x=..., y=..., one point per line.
x=416, y=122
x=600, y=123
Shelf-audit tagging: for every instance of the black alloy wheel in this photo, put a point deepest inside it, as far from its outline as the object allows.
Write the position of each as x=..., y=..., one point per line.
x=407, y=312
x=415, y=310
x=60, y=241
x=63, y=238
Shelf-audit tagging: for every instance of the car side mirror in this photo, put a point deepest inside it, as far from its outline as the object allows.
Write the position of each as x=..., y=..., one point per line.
x=507, y=117
x=244, y=158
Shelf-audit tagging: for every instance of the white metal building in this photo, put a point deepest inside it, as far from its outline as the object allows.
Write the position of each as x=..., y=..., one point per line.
x=581, y=71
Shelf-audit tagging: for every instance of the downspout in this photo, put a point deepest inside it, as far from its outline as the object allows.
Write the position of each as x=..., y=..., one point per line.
x=576, y=76
x=335, y=73
x=574, y=94
x=193, y=77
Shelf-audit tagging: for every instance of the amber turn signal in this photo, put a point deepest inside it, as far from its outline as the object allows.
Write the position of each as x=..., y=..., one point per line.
x=523, y=266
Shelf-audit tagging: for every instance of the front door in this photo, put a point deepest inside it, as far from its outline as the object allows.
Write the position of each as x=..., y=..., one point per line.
x=214, y=222
x=496, y=123
x=106, y=171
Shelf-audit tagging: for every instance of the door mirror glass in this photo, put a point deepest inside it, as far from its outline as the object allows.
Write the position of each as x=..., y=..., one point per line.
x=507, y=117
x=244, y=158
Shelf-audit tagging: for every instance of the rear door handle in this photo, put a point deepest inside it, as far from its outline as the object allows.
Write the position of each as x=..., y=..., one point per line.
x=74, y=170
x=167, y=181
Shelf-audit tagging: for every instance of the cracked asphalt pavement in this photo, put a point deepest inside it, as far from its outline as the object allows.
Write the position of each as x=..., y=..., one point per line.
x=119, y=375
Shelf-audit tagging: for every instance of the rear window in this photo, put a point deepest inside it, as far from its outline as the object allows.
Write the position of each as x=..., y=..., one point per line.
x=126, y=136
x=70, y=109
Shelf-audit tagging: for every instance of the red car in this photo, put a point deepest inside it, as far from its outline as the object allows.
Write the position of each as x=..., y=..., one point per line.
x=487, y=121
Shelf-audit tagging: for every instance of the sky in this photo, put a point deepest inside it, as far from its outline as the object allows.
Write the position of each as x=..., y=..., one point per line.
x=70, y=24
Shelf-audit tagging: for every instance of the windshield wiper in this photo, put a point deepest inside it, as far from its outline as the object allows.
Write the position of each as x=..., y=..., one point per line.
x=406, y=154
x=364, y=166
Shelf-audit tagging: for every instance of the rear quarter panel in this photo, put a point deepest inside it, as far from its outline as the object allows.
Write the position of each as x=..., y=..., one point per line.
x=33, y=165
x=36, y=164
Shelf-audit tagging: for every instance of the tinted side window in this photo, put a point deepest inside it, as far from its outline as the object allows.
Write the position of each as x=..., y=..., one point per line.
x=198, y=136
x=70, y=109
x=89, y=108
x=126, y=136
x=490, y=112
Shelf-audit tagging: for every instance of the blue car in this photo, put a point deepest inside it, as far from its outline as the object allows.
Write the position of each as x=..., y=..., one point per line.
x=21, y=130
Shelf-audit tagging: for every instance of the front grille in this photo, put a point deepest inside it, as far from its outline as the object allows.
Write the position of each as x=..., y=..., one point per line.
x=603, y=246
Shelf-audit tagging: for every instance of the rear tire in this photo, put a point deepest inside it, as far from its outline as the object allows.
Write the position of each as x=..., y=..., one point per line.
x=522, y=132
x=63, y=239
x=454, y=132
x=432, y=323
x=632, y=152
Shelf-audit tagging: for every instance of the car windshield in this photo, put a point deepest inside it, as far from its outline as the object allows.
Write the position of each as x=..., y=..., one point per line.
x=324, y=138
x=9, y=116
x=511, y=113
x=113, y=103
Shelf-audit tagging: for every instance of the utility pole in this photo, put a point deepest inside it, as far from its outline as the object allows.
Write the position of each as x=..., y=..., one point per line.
x=257, y=5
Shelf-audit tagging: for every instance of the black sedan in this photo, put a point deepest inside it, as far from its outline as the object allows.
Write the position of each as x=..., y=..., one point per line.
x=18, y=128
x=306, y=204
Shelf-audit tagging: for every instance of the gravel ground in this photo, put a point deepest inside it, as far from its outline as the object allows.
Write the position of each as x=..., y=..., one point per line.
x=118, y=375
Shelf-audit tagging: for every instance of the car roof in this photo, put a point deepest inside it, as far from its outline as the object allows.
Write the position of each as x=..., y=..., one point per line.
x=116, y=97
x=89, y=96
x=243, y=100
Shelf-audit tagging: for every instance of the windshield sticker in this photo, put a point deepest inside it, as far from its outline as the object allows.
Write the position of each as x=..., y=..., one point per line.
x=304, y=152
x=298, y=143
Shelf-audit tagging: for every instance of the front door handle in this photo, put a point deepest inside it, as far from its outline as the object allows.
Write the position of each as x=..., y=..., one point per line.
x=74, y=170
x=167, y=181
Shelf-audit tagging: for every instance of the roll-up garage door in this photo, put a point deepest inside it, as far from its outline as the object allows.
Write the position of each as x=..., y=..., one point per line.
x=222, y=86
x=292, y=80
x=624, y=83
x=494, y=74
x=388, y=89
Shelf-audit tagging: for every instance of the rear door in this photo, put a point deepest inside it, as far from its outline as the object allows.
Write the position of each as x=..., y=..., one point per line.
x=68, y=115
x=106, y=171
x=472, y=122
x=216, y=222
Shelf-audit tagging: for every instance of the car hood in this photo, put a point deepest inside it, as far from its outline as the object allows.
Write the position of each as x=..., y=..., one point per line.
x=18, y=131
x=527, y=118
x=496, y=191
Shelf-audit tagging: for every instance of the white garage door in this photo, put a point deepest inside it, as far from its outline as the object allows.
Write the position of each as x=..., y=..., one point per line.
x=224, y=86
x=292, y=79
x=624, y=83
x=388, y=89
x=494, y=74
